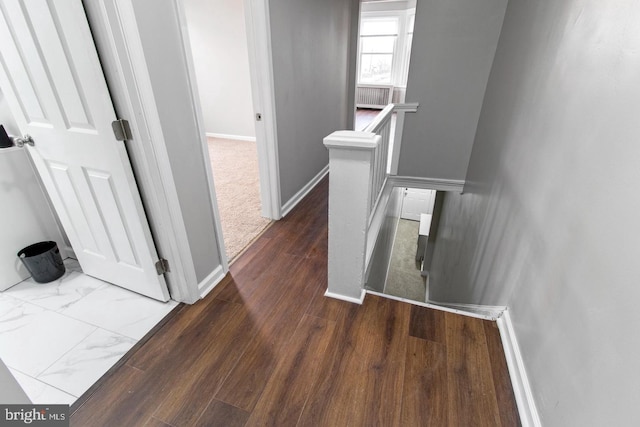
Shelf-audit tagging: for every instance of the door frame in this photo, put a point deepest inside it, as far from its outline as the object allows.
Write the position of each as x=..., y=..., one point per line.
x=258, y=28
x=114, y=28
x=204, y=145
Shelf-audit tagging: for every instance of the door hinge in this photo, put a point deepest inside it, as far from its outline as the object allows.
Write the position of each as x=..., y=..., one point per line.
x=121, y=130
x=162, y=266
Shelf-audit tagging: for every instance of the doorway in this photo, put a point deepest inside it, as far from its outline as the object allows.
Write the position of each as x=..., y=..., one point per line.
x=219, y=48
x=235, y=174
x=384, y=52
x=58, y=338
x=56, y=92
x=408, y=275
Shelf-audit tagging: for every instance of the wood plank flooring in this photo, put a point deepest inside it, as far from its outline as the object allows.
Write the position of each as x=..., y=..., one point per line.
x=364, y=116
x=266, y=348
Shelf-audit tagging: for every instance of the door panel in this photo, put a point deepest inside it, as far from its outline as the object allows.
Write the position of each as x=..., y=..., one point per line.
x=417, y=201
x=53, y=82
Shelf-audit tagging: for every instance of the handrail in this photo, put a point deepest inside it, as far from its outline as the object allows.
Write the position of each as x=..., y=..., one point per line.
x=401, y=110
x=383, y=117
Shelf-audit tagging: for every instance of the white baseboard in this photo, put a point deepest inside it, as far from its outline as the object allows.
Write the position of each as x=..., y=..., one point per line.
x=287, y=207
x=232, y=137
x=519, y=380
x=67, y=252
x=490, y=312
x=433, y=306
x=210, y=282
x=428, y=183
x=346, y=298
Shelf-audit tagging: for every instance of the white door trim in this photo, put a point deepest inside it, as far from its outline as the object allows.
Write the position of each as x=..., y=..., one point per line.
x=113, y=23
x=262, y=90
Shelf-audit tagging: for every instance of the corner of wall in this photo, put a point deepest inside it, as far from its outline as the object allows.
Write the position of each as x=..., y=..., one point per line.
x=292, y=202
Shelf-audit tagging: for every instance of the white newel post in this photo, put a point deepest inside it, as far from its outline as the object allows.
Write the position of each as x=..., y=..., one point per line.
x=351, y=158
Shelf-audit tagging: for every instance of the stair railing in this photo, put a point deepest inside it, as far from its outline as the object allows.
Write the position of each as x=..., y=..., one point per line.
x=359, y=164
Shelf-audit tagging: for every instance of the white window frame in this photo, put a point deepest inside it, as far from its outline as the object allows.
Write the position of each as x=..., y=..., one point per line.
x=401, y=51
x=394, y=52
x=407, y=43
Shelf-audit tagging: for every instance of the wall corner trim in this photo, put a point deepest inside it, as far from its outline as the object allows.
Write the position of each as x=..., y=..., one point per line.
x=287, y=207
x=519, y=380
x=258, y=25
x=346, y=298
x=211, y=281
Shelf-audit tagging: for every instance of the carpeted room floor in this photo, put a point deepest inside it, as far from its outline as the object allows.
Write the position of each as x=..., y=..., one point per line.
x=235, y=174
x=404, y=279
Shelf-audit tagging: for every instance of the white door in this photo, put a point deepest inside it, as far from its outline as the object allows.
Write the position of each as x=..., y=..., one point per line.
x=51, y=77
x=417, y=201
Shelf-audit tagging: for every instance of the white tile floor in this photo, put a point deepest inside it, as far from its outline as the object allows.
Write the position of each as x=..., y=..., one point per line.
x=59, y=338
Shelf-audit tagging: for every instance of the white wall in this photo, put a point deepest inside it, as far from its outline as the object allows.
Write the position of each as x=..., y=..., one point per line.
x=159, y=28
x=453, y=47
x=550, y=214
x=27, y=215
x=312, y=44
x=25, y=203
x=6, y=118
x=219, y=44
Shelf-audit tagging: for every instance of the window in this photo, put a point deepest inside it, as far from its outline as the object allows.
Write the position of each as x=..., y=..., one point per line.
x=386, y=34
x=378, y=38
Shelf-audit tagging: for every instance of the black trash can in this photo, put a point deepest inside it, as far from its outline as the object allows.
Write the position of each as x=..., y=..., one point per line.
x=43, y=261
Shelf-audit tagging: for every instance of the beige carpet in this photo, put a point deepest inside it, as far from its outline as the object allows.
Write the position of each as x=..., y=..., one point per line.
x=404, y=279
x=235, y=173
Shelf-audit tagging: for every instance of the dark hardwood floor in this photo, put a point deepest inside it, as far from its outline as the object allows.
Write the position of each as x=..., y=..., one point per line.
x=266, y=348
x=364, y=116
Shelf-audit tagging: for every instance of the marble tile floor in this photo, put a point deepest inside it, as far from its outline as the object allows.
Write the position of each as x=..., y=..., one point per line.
x=59, y=338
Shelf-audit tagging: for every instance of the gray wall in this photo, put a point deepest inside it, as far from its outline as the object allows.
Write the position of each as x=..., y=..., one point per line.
x=354, y=42
x=453, y=47
x=10, y=390
x=551, y=207
x=311, y=47
x=219, y=44
x=160, y=34
x=457, y=264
